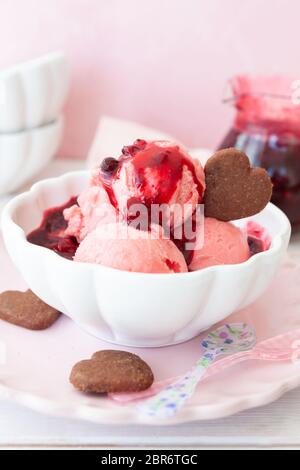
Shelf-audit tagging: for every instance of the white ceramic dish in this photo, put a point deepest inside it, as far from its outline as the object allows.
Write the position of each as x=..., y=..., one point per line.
x=24, y=154
x=133, y=308
x=33, y=93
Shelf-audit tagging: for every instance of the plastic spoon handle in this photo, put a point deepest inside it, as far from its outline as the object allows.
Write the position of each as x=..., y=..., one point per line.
x=230, y=361
x=226, y=340
x=171, y=399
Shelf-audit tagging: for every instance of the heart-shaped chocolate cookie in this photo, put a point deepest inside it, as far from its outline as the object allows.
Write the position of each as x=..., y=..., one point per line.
x=111, y=371
x=27, y=310
x=234, y=190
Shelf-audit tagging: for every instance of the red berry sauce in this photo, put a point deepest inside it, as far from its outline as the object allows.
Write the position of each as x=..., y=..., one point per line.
x=151, y=162
x=50, y=234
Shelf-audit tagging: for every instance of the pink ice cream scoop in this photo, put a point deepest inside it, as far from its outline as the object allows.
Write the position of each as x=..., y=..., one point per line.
x=222, y=243
x=93, y=209
x=154, y=173
x=259, y=239
x=123, y=247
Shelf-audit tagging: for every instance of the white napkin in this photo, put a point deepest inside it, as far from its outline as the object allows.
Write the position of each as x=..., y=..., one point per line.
x=112, y=134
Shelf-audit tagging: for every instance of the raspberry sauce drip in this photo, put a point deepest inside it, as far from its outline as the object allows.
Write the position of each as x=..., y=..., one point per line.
x=50, y=234
x=108, y=170
x=157, y=172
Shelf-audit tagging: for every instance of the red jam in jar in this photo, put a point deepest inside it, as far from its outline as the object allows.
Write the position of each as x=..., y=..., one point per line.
x=267, y=128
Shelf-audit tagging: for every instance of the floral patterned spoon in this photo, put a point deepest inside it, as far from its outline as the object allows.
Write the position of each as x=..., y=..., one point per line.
x=225, y=341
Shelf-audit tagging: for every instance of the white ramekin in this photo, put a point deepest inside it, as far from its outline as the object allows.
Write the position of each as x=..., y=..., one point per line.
x=128, y=308
x=24, y=154
x=33, y=93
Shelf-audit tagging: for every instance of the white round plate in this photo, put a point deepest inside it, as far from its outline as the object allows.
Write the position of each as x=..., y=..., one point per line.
x=35, y=369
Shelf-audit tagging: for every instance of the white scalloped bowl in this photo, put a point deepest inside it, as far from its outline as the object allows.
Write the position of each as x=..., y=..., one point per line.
x=24, y=154
x=136, y=309
x=33, y=93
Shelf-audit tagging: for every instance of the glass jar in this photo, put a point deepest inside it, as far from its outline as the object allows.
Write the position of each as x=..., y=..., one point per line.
x=267, y=128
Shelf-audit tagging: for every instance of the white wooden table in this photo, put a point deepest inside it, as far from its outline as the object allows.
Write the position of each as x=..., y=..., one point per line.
x=275, y=425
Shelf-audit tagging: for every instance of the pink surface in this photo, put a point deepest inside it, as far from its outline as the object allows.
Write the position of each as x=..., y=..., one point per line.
x=38, y=363
x=163, y=63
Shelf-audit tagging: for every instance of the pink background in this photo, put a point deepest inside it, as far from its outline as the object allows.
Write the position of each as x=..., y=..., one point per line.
x=163, y=63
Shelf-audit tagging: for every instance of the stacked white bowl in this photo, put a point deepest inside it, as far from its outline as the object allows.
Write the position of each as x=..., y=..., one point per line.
x=32, y=95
